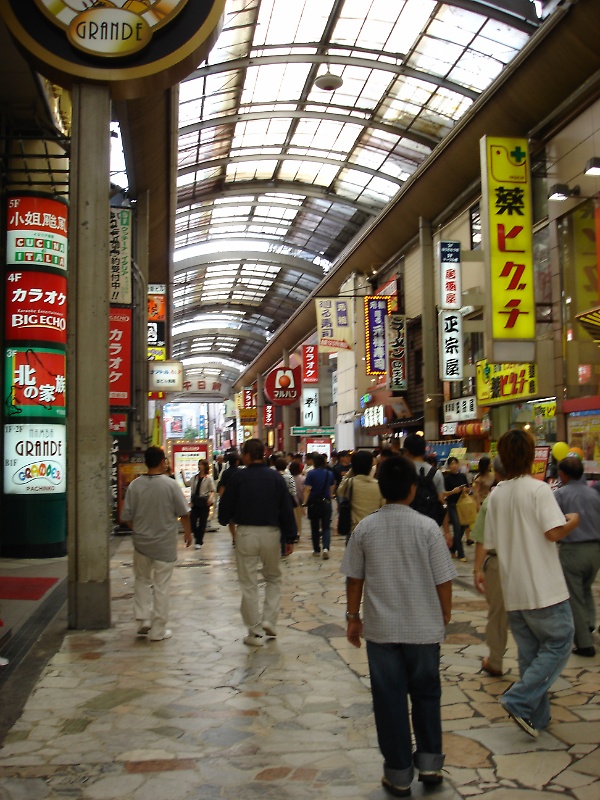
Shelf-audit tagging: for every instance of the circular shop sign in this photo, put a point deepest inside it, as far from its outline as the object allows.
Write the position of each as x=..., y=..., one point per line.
x=136, y=46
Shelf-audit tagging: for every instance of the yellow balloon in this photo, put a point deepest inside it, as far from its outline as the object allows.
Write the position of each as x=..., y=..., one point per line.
x=560, y=450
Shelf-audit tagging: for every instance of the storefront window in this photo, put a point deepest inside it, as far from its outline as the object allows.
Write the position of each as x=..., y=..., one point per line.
x=580, y=293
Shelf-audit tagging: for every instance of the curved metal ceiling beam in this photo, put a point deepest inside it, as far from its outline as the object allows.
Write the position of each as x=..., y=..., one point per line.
x=233, y=333
x=221, y=162
x=519, y=14
x=332, y=58
x=246, y=188
x=286, y=262
x=354, y=119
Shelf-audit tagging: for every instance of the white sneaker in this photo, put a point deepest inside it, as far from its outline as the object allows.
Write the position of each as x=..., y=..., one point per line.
x=325, y=555
x=269, y=630
x=167, y=635
x=254, y=640
x=4, y=662
x=197, y=546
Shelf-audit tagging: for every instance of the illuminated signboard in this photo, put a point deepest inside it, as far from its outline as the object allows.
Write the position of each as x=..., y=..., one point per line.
x=506, y=196
x=396, y=352
x=504, y=383
x=310, y=407
x=36, y=307
x=451, y=346
x=35, y=383
x=35, y=459
x=269, y=416
x=119, y=356
x=375, y=309
x=165, y=376
x=310, y=363
x=36, y=231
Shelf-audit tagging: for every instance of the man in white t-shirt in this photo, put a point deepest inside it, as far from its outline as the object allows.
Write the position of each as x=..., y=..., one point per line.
x=523, y=523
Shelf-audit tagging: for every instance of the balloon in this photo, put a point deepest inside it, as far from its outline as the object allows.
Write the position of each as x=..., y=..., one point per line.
x=560, y=450
x=576, y=451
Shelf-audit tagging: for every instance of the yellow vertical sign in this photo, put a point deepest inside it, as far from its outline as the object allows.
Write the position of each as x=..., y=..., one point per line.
x=506, y=201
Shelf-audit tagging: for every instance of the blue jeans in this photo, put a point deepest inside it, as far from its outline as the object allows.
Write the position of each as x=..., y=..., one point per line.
x=457, y=530
x=397, y=672
x=320, y=525
x=544, y=637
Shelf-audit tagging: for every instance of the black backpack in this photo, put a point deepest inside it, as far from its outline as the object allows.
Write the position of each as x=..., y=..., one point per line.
x=426, y=499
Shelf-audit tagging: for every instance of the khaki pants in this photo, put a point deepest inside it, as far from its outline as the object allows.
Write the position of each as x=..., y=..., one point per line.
x=496, y=631
x=255, y=547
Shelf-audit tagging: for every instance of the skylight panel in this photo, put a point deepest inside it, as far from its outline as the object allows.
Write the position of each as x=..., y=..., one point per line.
x=270, y=82
x=476, y=71
x=301, y=20
x=435, y=56
x=251, y=170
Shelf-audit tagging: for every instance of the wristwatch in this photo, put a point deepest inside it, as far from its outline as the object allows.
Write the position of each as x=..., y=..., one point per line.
x=352, y=616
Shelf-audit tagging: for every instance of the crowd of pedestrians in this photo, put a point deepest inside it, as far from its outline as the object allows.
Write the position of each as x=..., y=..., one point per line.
x=537, y=554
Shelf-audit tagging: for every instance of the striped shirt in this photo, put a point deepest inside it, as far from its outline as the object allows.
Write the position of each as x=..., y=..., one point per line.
x=402, y=556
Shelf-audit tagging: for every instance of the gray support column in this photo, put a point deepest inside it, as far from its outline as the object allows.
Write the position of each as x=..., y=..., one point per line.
x=429, y=332
x=142, y=428
x=260, y=404
x=286, y=413
x=88, y=442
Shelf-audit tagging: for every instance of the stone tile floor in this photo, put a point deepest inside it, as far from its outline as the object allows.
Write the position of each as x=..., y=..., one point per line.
x=203, y=717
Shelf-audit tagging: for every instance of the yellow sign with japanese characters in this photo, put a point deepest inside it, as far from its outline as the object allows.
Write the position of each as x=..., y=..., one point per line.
x=506, y=201
x=505, y=383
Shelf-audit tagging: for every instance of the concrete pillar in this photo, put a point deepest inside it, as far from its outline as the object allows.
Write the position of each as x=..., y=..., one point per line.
x=260, y=404
x=429, y=332
x=286, y=413
x=88, y=442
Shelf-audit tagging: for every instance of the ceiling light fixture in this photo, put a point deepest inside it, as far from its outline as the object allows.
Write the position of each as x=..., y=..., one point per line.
x=592, y=167
x=329, y=82
x=561, y=191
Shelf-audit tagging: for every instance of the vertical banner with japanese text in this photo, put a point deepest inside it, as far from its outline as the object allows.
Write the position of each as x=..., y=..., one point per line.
x=376, y=309
x=506, y=201
x=310, y=407
x=310, y=363
x=119, y=356
x=451, y=346
x=268, y=416
x=120, y=255
x=396, y=351
x=335, y=328
x=450, y=275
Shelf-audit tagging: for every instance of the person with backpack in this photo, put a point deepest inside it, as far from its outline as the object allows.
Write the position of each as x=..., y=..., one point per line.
x=317, y=499
x=431, y=493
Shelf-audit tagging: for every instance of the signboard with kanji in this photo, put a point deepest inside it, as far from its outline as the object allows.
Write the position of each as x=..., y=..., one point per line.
x=35, y=383
x=37, y=231
x=335, y=328
x=506, y=200
x=505, y=383
x=451, y=346
x=120, y=255
x=283, y=385
x=450, y=275
x=310, y=406
x=396, y=352
x=376, y=309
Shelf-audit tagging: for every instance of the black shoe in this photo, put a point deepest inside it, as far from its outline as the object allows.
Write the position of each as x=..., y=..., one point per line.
x=587, y=652
x=431, y=777
x=526, y=724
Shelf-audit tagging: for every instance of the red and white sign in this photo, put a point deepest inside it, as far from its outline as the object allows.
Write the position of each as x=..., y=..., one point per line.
x=36, y=307
x=268, y=416
x=283, y=385
x=310, y=363
x=117, y=424
x=450, y=275
x=36, y=232
x=119, y=356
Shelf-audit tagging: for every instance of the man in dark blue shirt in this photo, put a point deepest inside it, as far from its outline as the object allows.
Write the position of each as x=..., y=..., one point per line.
x=257, y=500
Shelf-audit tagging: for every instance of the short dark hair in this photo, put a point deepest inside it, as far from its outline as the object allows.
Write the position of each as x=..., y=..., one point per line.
x=233, y=459
x=572, y=467
x=483, y=465
x=452, y=460
x=362, y=462
x=516, y=448
x=254, y=448
x=396, y=477
x=153, y=456
x=319, y=460
x=295, y=468
x=280, y=464
x=415, y=444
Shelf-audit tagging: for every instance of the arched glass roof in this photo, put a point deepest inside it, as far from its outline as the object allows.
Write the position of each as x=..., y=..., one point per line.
x=276, y=175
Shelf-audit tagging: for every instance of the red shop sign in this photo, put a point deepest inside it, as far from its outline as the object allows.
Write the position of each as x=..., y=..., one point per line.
x=37, y=382
x=36, y=231
x=283, y=385
x=36, y=307
x=310, y=363
x=119, y=356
